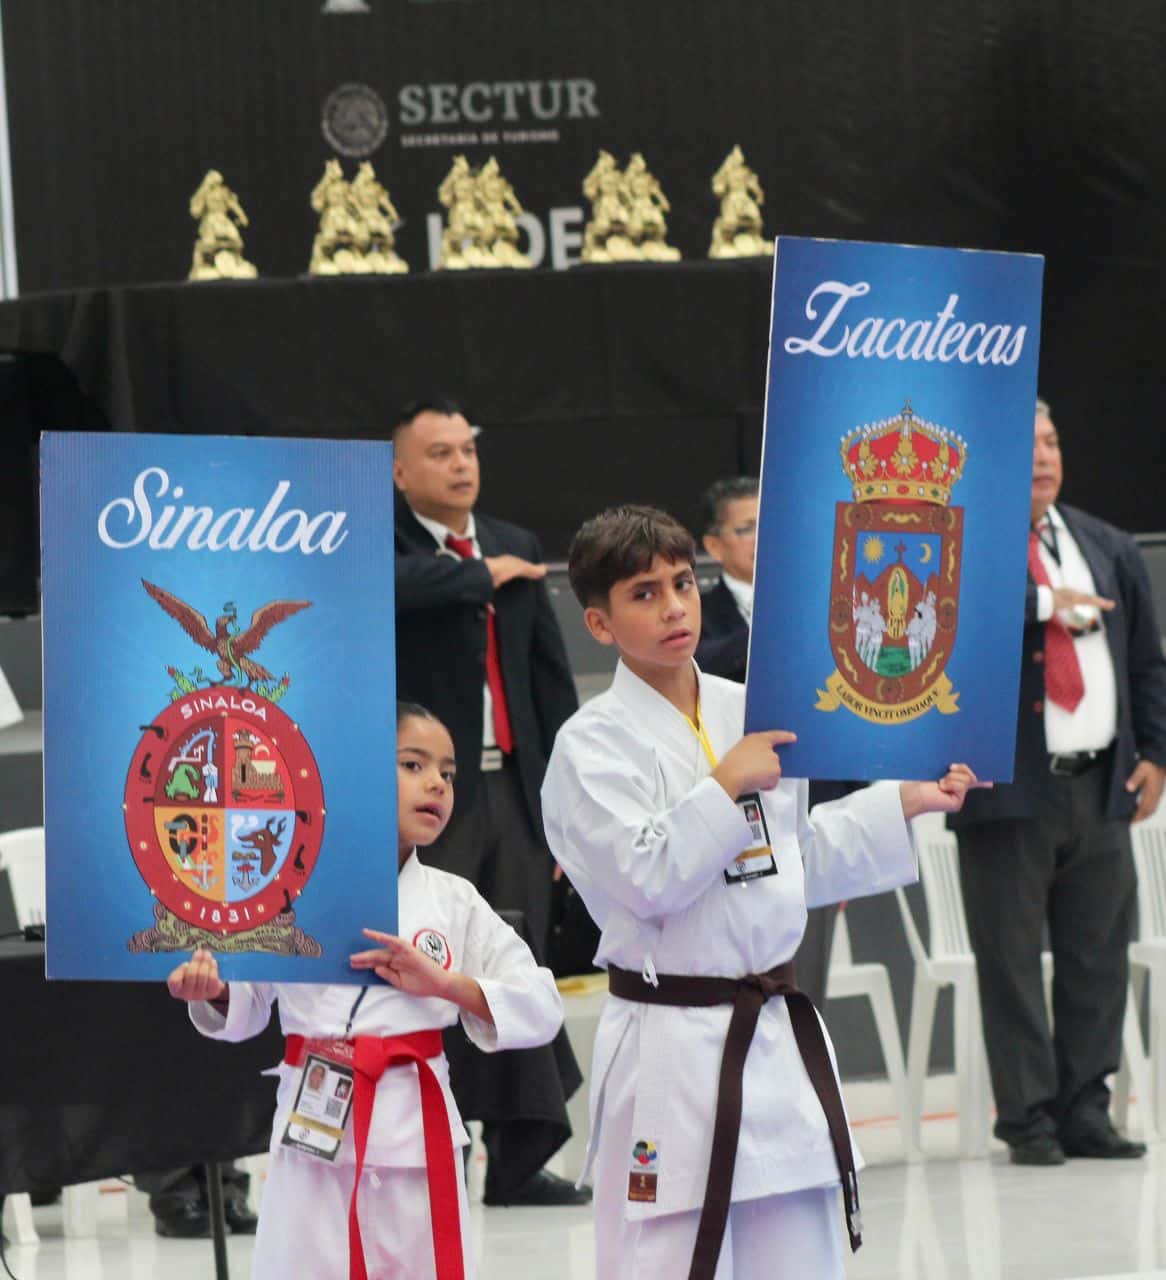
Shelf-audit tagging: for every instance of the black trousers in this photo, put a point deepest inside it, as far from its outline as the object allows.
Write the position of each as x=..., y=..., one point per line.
x=172, y=1189
x=1073, y=869
x=495, y=846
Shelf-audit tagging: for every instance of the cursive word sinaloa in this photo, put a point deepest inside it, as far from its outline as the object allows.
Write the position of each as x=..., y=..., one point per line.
x=162, y=526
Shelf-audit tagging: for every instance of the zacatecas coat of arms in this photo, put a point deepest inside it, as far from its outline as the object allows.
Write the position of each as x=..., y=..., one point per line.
x=895, y=572
x=224, y=806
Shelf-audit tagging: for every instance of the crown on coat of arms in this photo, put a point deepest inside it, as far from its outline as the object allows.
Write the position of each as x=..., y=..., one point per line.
x=903, y=459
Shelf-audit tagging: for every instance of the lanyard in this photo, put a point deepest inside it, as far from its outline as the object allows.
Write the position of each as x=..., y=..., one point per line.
x=702, y=737
x=352, y=1012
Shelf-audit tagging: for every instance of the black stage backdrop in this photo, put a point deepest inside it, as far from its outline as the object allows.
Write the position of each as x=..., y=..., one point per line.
x=1009, y=124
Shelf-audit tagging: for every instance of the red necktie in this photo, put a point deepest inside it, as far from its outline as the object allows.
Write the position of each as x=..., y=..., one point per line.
x=1064, y=684
x=503, y=735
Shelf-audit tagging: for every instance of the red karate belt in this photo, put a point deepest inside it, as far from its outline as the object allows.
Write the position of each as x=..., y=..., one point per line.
x=503, y=734
x=1064, y=683
x=747, y=995
x=374, y=1055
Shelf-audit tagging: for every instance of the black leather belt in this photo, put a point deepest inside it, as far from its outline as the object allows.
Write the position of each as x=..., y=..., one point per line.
x=1068, y=764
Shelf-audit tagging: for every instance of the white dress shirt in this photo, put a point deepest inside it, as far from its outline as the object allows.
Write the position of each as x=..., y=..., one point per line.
x=1093, y=725
x=742, y=593
x=440, y=532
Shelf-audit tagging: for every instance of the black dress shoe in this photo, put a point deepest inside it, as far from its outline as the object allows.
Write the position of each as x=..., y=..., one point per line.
x=543, y=1188
x=1044, y=1149
x=1103, y=1144
x=239, y=1216
x=188, y=1222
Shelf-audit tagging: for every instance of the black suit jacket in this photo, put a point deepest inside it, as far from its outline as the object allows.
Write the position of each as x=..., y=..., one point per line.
x=1139, y=670
x=441, y=647
x=724, y=634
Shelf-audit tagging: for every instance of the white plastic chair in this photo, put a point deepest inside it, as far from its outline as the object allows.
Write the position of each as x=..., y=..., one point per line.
x=1148, y=962
x=846, y=980
x=948, y=963
x=22, y=855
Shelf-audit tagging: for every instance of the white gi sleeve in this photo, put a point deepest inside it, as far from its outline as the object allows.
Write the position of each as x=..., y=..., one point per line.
x=248, y=1012
x=607, y=831
x=522, y=995
x=856, y=846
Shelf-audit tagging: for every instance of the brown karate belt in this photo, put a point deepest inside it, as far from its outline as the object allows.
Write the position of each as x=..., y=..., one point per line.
x=747, y=995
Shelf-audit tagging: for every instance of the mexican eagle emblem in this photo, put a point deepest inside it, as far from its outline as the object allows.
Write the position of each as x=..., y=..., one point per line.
x=224, y=805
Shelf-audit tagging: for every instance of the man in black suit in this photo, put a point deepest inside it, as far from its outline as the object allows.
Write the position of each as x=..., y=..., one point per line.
x=479, y=645
x=729, y=511
x=1054, y=844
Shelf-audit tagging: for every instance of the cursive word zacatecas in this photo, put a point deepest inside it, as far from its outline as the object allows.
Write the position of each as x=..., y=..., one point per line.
x=127, y=522
x=895, y=338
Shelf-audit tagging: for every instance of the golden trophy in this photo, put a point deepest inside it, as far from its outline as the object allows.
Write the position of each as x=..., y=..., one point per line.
x=218, y=251
x=737, y=231
x=463, y=243
x=500, y=210
x=648, y=205
x=605, y=237
x=334, y=249
x=375, y=216
x=627, y=214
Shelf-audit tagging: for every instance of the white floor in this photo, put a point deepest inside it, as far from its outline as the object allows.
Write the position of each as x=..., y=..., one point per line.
x=944, y=1219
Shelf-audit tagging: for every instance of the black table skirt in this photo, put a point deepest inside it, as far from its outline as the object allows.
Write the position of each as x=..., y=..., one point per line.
x=98, y=1078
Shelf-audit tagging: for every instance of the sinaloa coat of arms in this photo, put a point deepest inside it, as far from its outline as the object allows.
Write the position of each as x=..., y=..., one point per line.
x=895, y=572
x=224, y=805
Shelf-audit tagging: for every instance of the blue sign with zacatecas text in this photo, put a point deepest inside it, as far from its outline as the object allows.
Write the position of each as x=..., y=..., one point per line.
x=219, y=704
x=893, y=527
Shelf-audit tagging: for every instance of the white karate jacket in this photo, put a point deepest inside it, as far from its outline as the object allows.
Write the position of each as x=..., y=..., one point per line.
x=446, y=912
x=645, y=834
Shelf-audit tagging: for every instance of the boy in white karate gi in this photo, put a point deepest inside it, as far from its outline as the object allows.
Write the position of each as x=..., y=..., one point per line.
x=454, y=957
x=718, y=1134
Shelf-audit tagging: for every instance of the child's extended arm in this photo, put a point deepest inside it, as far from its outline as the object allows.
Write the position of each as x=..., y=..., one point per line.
x=861, y=845
x=401, y=965
x=945, y=796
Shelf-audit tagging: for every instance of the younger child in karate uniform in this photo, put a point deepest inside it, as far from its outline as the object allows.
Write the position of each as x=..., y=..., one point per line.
x=454, y=958
x=719, y=1139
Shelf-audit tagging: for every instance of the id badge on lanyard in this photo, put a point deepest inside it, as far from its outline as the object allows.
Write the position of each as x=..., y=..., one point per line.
x=323, y=1105
x=757, y=859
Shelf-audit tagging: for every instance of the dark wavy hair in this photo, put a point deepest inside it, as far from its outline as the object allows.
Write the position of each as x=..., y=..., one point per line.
x=619, y=543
